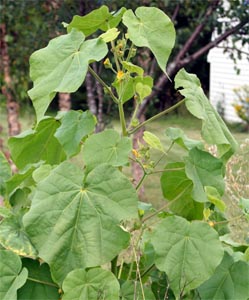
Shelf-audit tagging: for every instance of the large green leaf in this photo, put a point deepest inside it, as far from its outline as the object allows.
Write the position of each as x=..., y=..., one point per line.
x=39, y=285
x=35, y=145
x=177, y=188
x=214, y=130
x=187, y=252
x=150, y=27
x=229, y=282
x=62, y=67
x=106, y=147
x=75, y=125
x=99, y=18
x=12, y=276
x=92, y=284
x=74, y=217
x=204, y=170
x=13, y=236
x=5, y=172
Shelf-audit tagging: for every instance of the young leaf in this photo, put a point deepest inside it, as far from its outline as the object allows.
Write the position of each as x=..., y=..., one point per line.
x=92, y=284
x=187, y=252
x=82, y=213
x=33, y=146
x=12, y=275
x=111, y=148
x=75, y=125
x=39, y=284
x=229, y=282
x=62, y=67
x=143, y=86
x=183, y=203
x=153, y=141
x=178, y=136
x=110, y=35
x=204, y=170
x=214, y=130
x=150, y=27
x=130, y=67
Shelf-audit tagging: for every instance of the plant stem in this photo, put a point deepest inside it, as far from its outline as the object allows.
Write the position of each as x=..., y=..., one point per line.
x=159, y=115
x=43, y=282
x=122, y=118
x=115, y=56
x=96, y=76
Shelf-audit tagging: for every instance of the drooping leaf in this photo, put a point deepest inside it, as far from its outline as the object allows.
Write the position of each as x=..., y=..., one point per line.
x=39, y=285
x=150, y=27
x=12, y=275
x=187, y=252
x=178, y=136
x=74, y=218
x=110, y=147
x=153, y=141
x=13, y=236
x=99, y=18
x=75, y=125
x=92, y=284
x=215, y=198
x=214, y=130
x=229, y=282
x=33, y=146
x=5, y=172
x=183, y=203
x=62, y=67
x=204, y=170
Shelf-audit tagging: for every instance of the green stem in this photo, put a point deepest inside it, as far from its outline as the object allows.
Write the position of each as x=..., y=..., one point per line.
x=147, y=270
x=43, y=282
x=122, y=118
x=115, y=56
x=96, y=76
x=129, y=53
x=159, y=115
x=114, y=267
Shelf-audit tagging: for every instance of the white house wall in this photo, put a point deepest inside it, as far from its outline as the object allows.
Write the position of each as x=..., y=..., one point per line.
x=224, y=78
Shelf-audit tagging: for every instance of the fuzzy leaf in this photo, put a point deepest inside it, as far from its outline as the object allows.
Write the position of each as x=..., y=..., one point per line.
x=12, y=275
x=188, y=252
x=92, y=284
x=62, y=67
x=150, y=27
x=214, y=130
x=72, y=210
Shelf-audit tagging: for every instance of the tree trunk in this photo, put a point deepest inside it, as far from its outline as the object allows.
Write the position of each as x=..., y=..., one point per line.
x=7, y=89
x=64, y=101
x=91, y=101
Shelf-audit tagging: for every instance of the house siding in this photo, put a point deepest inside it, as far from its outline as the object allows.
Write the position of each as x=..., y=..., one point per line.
x=224, y=78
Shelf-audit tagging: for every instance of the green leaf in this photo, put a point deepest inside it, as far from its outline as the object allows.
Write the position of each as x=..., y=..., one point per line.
x=41, y=173
x=12, y=275
x=72, y=210
x=5, y=172
x=20, y=199
x=150, y=27
x=177, y=188
x=244, y=205
x=130, y=67
x=229, y=282
x=204, y=170
x=13, y=236
x=110, y=35
x=33, y=146
x=187, y=252
x=62, y=67
x=153, y=141
x=143, y=86
x=39, y=285
x=178, y=136
x=110, y=147
x=92, y=284
x=214, y=130
x=125, y=88
x=215, y=198
x=75, y=125
x=99, y=18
